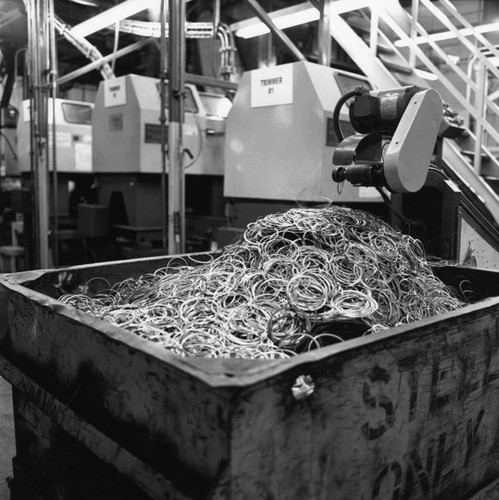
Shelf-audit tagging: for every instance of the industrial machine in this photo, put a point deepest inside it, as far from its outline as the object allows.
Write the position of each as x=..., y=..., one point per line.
x=127, y=130
x=127, y=152
x=398, y=135
x=70, y=179
x=281, y=138
x=8, y=133
x=73, y=123
x=294, y=126
x=396, y=132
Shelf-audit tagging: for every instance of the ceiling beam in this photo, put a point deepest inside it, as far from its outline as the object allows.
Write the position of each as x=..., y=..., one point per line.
x=111, y=16
x=103, y=60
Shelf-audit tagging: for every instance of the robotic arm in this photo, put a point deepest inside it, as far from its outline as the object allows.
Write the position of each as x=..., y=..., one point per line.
x=396, y=134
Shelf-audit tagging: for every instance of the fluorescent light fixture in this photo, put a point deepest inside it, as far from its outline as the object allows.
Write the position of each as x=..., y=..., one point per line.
x=111, y=16
x=426, y=74
x=87, y=3
x=293, y=16
x=449, y=35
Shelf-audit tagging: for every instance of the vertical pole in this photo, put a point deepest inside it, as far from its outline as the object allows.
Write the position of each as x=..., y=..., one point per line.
x=373, y=38
x=53, y=82
x=37, y=11
x=216, y=16
x=324, y=33
x=176, y=178
x=2, y=164
x=162, y=121
x=414, y=32
x=480, y=116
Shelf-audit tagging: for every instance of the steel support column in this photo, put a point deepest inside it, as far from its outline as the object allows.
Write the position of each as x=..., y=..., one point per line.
x=324, y=33
x=176, y=177
x=39, y=69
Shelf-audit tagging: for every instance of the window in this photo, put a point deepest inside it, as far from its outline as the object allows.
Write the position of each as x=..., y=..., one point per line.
x=77, y=113
x=216, y=104
x=347, y=83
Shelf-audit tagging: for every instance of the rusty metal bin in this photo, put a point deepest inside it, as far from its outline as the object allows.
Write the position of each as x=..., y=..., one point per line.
x=411, y=413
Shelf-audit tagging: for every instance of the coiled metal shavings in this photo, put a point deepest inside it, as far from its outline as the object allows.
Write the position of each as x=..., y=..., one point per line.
x=293, y=282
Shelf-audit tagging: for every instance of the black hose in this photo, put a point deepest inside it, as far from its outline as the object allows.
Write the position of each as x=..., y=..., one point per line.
x=336, y=113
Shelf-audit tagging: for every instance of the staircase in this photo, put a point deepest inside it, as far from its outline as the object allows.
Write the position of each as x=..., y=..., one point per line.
x=385, y=41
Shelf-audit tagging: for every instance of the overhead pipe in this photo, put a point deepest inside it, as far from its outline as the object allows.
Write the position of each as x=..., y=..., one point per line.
x=227, y=50
x=98, y=63
x=153, y=29
x=85, y=47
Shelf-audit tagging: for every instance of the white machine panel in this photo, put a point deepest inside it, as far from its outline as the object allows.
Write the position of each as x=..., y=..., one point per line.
x=280, y=136
x=127, y=131
x=73, y=120
x=272, y=86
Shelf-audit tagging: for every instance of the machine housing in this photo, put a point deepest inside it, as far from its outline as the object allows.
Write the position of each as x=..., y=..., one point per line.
x=280, y=134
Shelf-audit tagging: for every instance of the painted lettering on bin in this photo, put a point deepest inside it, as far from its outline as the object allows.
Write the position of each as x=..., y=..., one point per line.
x=409, y=368
x=455, y=376
x=424, y=471
x=377, y=402
x=472, y=435
x=392, y=473
x=428, y=468
x=458, y=373
x=444, y=398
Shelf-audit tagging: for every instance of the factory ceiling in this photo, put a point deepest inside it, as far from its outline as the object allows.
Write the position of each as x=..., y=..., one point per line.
x=13, y=35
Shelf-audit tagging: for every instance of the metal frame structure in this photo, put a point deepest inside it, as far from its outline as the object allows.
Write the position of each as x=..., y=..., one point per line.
x=471, y=100
x=41, y=67
x=390, y=55
x=176, y=176
x=385, y=29
x=44, y=80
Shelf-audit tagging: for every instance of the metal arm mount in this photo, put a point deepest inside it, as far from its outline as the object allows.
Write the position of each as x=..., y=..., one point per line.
x=396, y=134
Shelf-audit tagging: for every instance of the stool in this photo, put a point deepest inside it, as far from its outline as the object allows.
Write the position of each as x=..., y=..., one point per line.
x=12, y=252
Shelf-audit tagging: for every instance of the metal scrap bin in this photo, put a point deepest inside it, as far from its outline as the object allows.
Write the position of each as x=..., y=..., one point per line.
x=411, y=413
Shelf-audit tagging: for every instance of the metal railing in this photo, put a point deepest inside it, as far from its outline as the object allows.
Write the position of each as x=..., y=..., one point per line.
x=469, y=86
